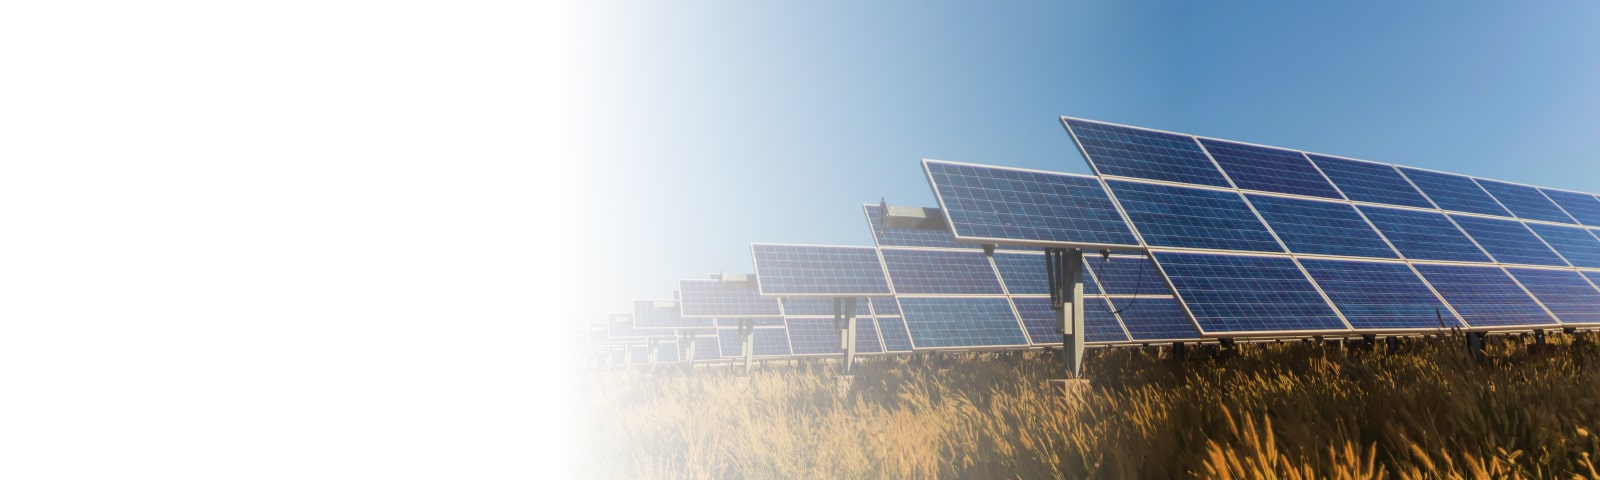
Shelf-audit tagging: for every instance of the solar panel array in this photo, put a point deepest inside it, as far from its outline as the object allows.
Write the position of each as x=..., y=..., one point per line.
x=954, y=297
x=1266, y=241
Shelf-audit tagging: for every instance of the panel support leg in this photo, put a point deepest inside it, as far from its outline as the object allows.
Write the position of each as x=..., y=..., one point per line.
x=1064, y=269
x=688, y=356
x=1538, y=337
x=1475, y=345
x=650, y=353
x=849, y=336
x=1394, y=344
x=747, y=329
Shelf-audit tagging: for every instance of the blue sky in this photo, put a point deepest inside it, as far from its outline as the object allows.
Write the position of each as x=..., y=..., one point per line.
x=702, y=127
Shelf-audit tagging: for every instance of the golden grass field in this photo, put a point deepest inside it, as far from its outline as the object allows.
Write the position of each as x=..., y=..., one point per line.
x=1289, y=410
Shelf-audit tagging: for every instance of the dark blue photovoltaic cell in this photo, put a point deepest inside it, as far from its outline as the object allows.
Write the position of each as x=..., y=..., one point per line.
x=1234, y=293
x=1524, y=201
x=802, y=306
x=1593, y=276
x=1269, y=169
x=759, y=322
x=1125, y=275
x=1099, y=324
x=709, y=298
x=1324, y=228
x=1128, y=152
x=1379, y=296
x=895, y=338
x=818, y=270
x=813, y=336
x=1508, y=241
x=1190, y=217
x=1581, y=206
x=705, y=348
x=885, y=306
x=1024, y=274
x=1454, y=192
x=647, y=315
x=940, y=272
x=1564, y=292
x=910, y=237
x=1003, y=203
x=770, y=342
x=1573, y=243
x=867, y=336
x=961, y=322
x=728, y=342
x=667, y=352
x=1370, y=182
x=1154, y=318
x=1484, y=295
x=621, y=327
x=1423, y=235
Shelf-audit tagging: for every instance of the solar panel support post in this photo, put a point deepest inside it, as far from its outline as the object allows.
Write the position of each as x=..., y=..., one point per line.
x=1475, y=345
x=844, y=314
x=1064, y=270
x=688, y=356
x=1538, y=336
x=747, y=329
x=650, y=352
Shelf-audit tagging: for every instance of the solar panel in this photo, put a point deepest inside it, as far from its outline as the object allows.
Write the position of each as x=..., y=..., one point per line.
x=1508, y=241
x=1155, y=319
x=983, y=203
x=940, y=272
x=1454, y=192
x=1025, y=274
x=961, y=322
x=910, y=237
x=1575, y=244
x=884, y=306
x=655, y=314
x=1269, y=169
x=764, y=342
x=705, y=348
x=815, y=306
x=1324, y=228
x=1564, y=292
x=1247, y=294
x=710, y=298
x=1125, y=275
x=867, y=336
x=1484, y=296
x=667, y=352
x=759, y=322
x=618, y=356
x=1370, y=182
x=1130, y=152
x=1168, y=216
x=1099, y=325
x=1423, y=235
x=621, y=327
x=813, y=336
x=895, y=338
x=1524, y=201
x=639, y=354
x=814, y=270
x=1379, y=295
x=1582, y=206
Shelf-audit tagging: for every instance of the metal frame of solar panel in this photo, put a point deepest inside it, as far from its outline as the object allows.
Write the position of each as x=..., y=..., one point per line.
x=1369, y=293
x=931, y=253
x=797, y=271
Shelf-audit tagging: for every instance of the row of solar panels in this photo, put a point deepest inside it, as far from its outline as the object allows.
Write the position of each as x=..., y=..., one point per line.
x=1260, y=241
x=1242, y=241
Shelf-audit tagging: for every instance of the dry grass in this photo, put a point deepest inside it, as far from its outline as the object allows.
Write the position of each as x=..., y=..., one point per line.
x=1264, y=411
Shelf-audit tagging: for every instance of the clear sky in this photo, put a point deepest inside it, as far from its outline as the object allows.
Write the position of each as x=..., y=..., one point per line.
x=702, y=127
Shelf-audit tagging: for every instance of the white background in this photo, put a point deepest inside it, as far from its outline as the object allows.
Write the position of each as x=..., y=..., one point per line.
x=290, y=239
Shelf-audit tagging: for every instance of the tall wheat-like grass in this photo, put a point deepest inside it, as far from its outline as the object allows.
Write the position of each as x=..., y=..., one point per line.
x=1290, y=410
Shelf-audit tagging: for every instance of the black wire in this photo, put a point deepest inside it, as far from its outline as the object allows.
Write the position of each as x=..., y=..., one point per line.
x=1138, y=286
